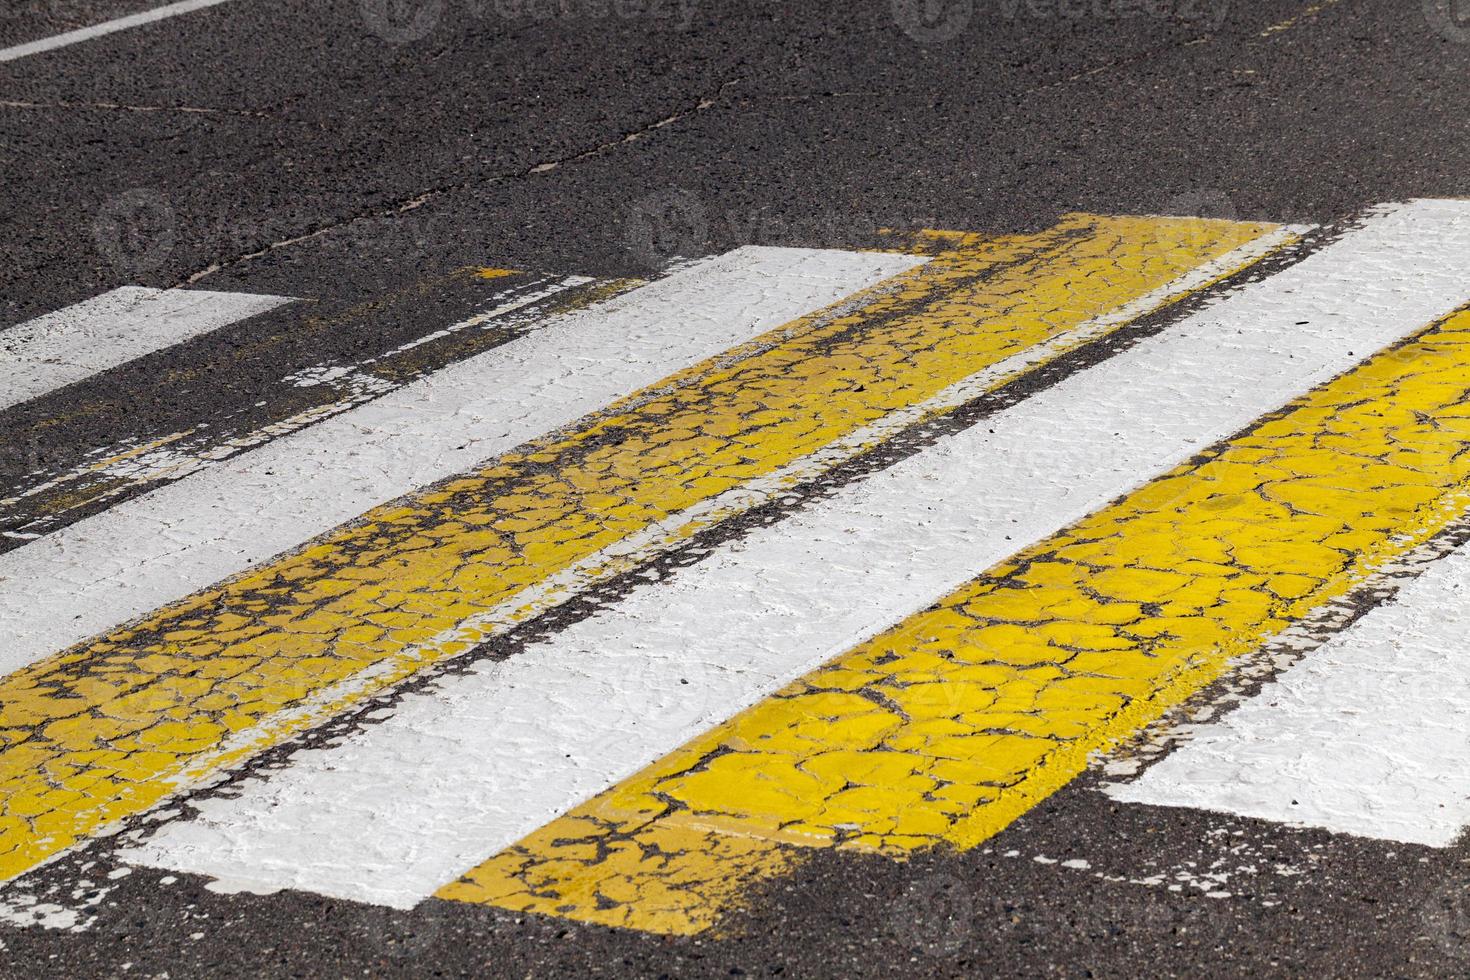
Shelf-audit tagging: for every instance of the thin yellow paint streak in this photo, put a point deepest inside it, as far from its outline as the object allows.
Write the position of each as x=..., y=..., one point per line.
x=63, y=501
x=1311, y=11
x=495, y=273
x=114, y=725
x=947, y=727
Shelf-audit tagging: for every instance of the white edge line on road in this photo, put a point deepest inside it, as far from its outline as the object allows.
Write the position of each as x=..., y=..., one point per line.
x=58, y=349
x=19, y=51
x=179, y=454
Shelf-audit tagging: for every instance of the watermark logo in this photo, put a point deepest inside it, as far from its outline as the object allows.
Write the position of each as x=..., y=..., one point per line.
x=1445, y=915
x=935, y=916
x=1203, y=203
x=667, y=225
x=1197, y=237
x=404, y=935
x=401, y=21
x=61, y=10
x=677, y=224
x=933, y=21
x=135, y=231
x=1449, y=18
x=1206, y=14
x=23, y=459
x=677, y=13
x=405, y=21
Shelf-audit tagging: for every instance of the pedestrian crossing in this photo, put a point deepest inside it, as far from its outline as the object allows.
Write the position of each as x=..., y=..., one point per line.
x=673, y=584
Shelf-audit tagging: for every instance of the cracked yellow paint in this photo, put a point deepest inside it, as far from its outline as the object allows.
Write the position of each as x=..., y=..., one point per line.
x=634, y=874
x=114, y=725
x=945, y=728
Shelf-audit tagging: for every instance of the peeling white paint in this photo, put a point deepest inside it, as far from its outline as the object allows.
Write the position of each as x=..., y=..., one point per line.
x=71, y=345
x=143, y=553
x=1369, y=734
x=67, y=908
x=1226, y=855
x=459, y=772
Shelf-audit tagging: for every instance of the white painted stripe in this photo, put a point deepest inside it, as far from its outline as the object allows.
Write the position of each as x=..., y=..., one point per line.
x=106, y=27
x=461, y=771
x=153, y=549
x=1369, y=734
x=70, y=345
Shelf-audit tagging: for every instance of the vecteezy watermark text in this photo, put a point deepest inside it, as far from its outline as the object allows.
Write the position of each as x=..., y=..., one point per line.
x=406, y=21
x=676, y=223
x=935, y=21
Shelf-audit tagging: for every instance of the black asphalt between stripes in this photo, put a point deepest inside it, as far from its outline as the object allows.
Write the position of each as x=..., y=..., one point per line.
x=220, y=374
x=757, y=122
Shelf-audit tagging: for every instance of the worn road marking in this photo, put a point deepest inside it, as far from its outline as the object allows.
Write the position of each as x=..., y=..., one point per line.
x=143, y=553
x=1369, y=734
x=18, y=51
x=71, y=345
x=238, y=667
x=502, y=306
x=613, y=692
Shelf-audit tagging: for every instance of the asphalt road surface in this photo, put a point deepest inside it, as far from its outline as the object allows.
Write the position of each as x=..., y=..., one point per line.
x=673, y=488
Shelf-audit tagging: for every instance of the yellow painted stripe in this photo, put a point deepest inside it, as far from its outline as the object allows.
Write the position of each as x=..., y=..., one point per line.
x=947, y=727
x=115, y=725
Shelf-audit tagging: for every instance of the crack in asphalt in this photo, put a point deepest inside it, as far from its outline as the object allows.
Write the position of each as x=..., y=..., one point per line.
x=118, y=106
x=416, y=201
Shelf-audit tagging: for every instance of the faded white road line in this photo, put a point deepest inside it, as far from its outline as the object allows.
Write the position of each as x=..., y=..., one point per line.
x=1369, y=734
x=145, y=552
x=106, y=27
x=125, y=465
x=71, y=345
x=458, y=772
